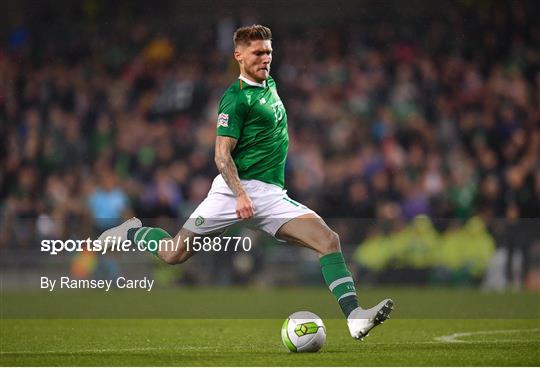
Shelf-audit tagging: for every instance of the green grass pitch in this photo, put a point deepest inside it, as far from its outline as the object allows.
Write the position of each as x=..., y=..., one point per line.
x=429, y=327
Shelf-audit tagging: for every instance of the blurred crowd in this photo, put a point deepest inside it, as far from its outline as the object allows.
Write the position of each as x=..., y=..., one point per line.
x=386, y=120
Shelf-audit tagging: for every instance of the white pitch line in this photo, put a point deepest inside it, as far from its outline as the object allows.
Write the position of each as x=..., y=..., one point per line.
x=455, y=337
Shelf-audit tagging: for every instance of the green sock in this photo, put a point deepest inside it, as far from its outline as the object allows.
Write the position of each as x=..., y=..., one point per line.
x=339, y=281
x=151, y=237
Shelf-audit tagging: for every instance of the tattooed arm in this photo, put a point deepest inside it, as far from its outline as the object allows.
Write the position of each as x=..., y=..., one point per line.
x=229, y=172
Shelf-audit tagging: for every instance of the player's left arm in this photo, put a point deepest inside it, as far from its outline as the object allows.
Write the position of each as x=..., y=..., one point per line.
x=226, y=166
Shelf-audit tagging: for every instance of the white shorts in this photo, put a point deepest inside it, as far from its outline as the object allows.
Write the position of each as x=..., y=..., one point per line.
x=272, y=206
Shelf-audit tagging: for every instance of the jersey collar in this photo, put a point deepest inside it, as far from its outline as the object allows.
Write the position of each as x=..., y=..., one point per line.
x=251, y=83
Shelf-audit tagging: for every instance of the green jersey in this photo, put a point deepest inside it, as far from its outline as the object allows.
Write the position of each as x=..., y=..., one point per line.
x=254, y=114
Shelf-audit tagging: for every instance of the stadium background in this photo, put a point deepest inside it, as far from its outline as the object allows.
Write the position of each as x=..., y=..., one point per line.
x=414, y=132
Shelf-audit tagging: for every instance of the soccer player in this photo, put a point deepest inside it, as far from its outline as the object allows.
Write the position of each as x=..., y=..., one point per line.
x=250, y=153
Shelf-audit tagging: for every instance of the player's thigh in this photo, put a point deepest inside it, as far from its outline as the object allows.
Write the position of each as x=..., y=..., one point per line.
x=309, y=230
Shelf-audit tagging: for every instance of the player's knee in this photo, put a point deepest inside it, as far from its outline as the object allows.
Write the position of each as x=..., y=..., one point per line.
x=171, y=258
x=174, y=258
x=181, y=254
x=330, y=243
x=334, y=244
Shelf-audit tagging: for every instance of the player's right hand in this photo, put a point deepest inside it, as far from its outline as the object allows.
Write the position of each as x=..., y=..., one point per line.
x=244, y=206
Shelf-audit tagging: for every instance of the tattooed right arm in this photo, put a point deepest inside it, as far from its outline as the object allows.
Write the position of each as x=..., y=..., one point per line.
x=226, y=165
x=229, y=172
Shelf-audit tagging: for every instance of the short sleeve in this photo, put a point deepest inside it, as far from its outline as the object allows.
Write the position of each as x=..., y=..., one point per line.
x=231, y=115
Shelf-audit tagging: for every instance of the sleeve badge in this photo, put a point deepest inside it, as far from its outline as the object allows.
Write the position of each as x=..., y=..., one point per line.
x=223, y=120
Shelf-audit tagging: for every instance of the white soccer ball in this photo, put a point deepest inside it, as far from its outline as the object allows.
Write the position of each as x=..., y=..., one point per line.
x=303, y=332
